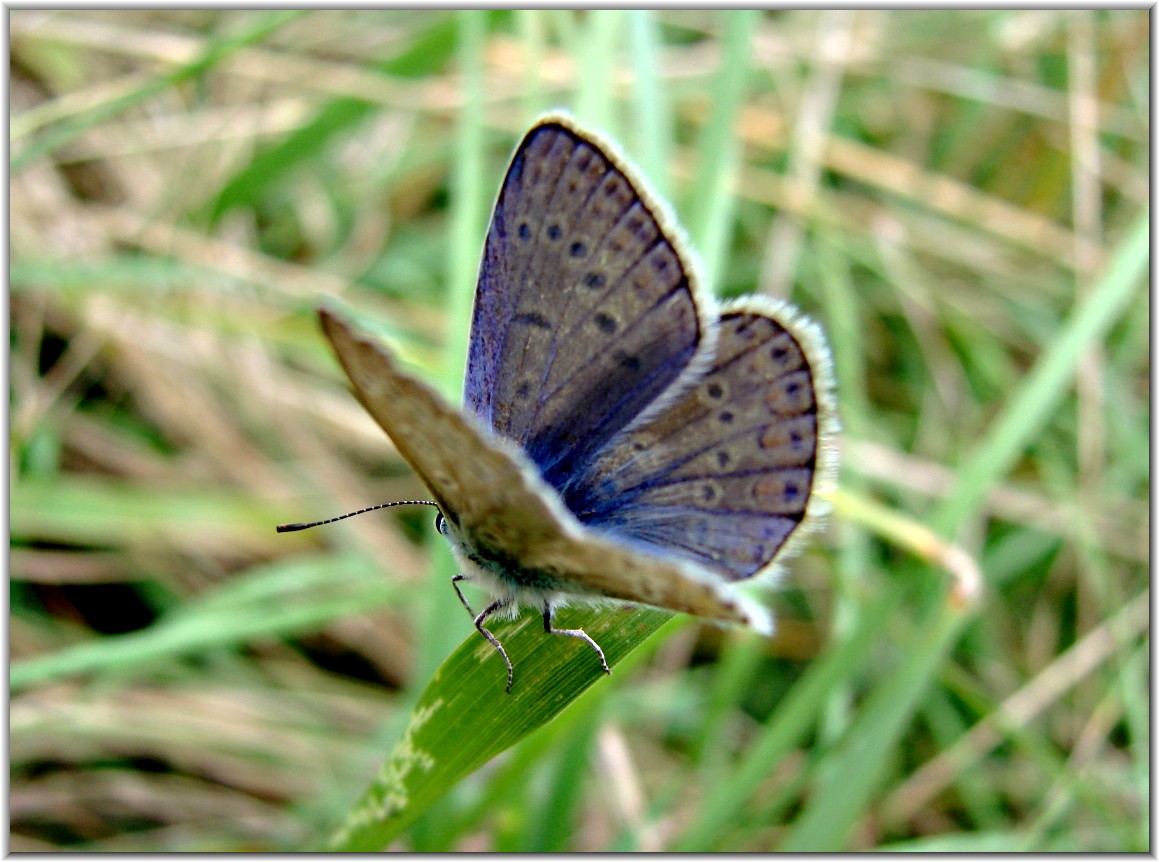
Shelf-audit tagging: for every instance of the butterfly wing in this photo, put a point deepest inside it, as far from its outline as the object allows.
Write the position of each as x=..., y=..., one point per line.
x=488, y=490
x=727, y=475
x=587, y=306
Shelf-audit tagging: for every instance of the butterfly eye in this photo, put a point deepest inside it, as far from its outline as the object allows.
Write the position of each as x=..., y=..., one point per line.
x=441, y=523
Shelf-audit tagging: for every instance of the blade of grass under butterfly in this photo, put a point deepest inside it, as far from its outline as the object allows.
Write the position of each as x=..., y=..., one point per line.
x=464, y=718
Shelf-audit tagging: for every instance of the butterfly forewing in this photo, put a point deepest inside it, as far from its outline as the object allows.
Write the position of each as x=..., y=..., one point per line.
x=585, y=311
x=727, y=474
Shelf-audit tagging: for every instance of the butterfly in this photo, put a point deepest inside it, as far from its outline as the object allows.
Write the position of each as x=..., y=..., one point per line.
x=622, y=436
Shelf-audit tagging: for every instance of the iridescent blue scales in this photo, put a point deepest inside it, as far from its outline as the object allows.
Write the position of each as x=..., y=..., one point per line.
x=625, y=437
x=584, y=314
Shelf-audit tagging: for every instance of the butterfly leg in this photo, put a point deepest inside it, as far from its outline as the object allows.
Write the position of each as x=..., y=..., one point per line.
x=496, y=605
x=455, y=583
x=574, y=633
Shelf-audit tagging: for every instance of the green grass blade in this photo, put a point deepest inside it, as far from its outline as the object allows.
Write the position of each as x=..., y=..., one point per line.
x=471, y=199
x=463, y=719
x=531, y=26
x=597, y=57
x=650, y=107
x=710, y=208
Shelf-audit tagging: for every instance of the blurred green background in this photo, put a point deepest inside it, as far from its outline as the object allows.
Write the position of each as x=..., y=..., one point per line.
x=959, y=197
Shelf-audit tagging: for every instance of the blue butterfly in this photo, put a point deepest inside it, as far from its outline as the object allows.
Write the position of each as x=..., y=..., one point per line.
x=622, y=436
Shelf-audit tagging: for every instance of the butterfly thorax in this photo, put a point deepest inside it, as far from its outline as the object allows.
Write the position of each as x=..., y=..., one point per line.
x=496, y=560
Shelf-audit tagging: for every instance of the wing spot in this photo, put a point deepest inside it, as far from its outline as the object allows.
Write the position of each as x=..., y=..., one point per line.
x=523, y=390
x=791, y=393
x=726, y=417
x=554, y=232
x=785, y=352
x=524, y=231
x=627, y=360
x=713, y=392
x=531, y=318
x=793, y=438
x=662, y=257
x=723, y=459
x=595, y=280
x=605, y=322
x=784, y=493
x=578, y=249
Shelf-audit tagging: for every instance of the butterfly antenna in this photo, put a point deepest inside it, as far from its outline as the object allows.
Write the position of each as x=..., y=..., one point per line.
x=293, y=528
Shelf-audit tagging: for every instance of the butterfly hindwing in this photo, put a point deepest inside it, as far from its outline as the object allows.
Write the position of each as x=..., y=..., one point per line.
x=587, y=307
x=728, y=474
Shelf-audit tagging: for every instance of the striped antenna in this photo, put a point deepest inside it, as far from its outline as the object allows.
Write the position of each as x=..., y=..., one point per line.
x=293, y=528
